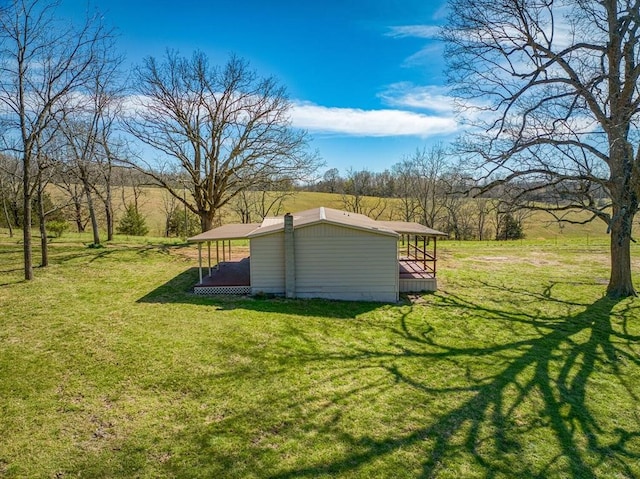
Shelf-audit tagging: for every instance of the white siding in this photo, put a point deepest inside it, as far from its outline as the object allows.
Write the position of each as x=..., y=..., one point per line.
x=418, y=285
x=338, y=262
x=267, y=264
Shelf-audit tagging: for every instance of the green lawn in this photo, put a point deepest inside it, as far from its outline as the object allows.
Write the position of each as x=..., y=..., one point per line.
x=517, y=367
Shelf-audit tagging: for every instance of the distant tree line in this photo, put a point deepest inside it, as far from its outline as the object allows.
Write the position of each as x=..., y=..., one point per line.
x=427, y=188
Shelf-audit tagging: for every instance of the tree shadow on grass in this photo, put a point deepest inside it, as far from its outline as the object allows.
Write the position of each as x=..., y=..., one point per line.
x=520, y=404
x=552, y=368
x=179, y=290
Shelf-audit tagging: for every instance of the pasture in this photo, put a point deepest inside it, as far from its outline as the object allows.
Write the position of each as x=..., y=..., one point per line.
x=152, y=202
x=517, y=367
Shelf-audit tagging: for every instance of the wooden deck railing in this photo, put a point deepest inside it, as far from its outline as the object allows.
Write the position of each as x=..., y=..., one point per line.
x=418, y=253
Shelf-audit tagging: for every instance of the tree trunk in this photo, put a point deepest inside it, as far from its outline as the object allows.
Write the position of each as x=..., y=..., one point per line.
x=26, y=221
x=92, y=215
x=108, y=202
x=15, y=211
x=206, y=221
x=78, y=215
x=44, y=262
x=167, y=226
x=7, y=217
x=109, y=213
x=620, y=282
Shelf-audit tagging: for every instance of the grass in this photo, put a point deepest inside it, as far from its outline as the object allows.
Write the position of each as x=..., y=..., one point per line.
x=517, y=367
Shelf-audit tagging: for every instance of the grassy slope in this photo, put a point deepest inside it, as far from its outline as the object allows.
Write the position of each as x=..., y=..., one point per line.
x=518, y=367
x=538, y=226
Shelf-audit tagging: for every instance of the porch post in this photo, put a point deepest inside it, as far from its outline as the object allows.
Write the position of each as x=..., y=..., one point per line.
x=209, y=255
x=217, y=254
x=424, y=252
x=435, y=257
x=200, y=261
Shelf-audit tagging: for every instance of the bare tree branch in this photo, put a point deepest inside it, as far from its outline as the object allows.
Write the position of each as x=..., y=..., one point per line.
x=554, y=89
x=226, y=128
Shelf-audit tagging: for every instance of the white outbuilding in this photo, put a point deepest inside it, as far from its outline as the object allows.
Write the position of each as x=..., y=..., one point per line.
x=323, y=253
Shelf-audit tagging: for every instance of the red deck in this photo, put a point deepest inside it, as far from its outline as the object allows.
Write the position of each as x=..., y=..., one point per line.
x=413, y=270
x=229, y=273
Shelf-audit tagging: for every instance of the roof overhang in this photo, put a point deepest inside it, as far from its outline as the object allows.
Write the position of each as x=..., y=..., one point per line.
x=404, y=227
x=226, y=232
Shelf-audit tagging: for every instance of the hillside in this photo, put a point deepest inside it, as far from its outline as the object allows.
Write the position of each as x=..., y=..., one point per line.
x=538, y=226
x=152, y=203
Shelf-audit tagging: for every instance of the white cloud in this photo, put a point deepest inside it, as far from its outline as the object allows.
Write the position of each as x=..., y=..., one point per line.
x=353, y=121
x=373, y=123
x=424, y=57
x=428, y=97
x=414, y=31
x=426, y=54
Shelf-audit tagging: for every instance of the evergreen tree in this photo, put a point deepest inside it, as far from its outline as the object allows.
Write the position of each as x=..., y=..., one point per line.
x=132, y=223
x=509, y=228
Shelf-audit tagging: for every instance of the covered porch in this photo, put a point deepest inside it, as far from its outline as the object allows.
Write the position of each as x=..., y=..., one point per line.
x=222, y=268
x=417, y=256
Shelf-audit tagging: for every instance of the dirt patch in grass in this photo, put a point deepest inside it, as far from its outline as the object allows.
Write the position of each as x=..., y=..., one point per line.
x=191, y=252
x=494, y=259
x=535, y=260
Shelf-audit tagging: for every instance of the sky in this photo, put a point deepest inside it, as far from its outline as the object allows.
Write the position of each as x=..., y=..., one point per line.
x=365, y=77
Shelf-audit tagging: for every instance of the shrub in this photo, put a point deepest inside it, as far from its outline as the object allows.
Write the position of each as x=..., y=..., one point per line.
x=132, y=223
x=57, y=227
x=179, y=225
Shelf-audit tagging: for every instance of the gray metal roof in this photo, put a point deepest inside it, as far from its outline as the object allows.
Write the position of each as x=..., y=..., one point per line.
x=226, y=232
x=313, y=216
x=325, y=215
x=404, y=227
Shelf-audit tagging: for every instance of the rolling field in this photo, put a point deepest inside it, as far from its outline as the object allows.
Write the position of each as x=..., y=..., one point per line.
x=517, y=367
x=539, y=226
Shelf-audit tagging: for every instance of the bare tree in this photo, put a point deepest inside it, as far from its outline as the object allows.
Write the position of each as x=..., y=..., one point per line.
x=558, y=88
x=454, y=206
x=484, y=207
x=5, y=200
x=267, y=200
x=43, y=62
x=332, y=180
x=406, y=180
x=169, y=208
x=41, y=180
x=66, y=181
x=111, y=150
x=357, y=185
x=80, y=151
x=133, y=184
x=430, y=166
x=86, y=125
x=228, y=129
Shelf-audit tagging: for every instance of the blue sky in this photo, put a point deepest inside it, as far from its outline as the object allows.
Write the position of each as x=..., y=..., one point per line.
x=365, y=77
